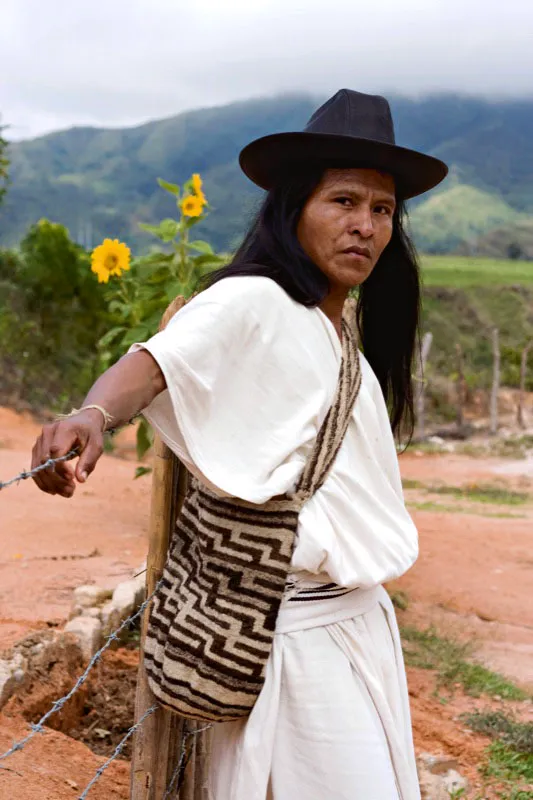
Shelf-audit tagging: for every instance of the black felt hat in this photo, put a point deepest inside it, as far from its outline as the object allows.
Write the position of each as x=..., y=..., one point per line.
x=350, y=130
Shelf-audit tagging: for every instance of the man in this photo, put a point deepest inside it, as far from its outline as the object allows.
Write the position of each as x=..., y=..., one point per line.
x=239, y=385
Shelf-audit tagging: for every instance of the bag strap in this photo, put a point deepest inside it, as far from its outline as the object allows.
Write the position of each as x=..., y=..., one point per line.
x=332, y=431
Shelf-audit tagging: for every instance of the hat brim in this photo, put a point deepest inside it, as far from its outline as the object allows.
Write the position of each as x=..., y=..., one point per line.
x=268, y=161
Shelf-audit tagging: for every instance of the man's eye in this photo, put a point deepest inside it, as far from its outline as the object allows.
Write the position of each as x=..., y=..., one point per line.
x=344, y=201
x=385, y=210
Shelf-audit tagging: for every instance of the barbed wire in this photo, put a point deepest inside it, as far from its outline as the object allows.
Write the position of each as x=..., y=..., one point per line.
x=51, y=462
x=38, y=727
x=25, y=474
x=117, y=751
x=182, y=761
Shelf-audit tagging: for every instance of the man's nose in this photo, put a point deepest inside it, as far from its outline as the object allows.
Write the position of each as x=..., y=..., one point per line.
x=362, y=223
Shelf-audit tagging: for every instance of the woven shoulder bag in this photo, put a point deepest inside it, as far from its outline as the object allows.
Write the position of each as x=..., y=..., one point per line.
x=213, y=617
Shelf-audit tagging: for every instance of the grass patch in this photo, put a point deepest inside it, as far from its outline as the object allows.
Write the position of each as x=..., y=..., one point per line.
x=409, y=483
x=472, y=450
x=477, y=493
x=460, y=272
x=497, y=725
x=442, y=507
x=515, y=447
x=483, y=493
x=427, y=448
x=505, y=764
x=451, y=660
x=399, y=600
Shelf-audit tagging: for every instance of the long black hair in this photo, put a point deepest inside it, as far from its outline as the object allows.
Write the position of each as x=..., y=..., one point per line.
x=388, y=302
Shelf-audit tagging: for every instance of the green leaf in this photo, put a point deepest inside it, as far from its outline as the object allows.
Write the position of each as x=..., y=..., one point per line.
x=137, y=334
x=174, y=289
x=173, y=188
x=148, y=264
x=153, y=320
x=144, y=438
x=206, y=259
x=144, y=226
x=108, y=337
x=168, y=229
x=202, y=247
x=140, y=471
x=191, y=221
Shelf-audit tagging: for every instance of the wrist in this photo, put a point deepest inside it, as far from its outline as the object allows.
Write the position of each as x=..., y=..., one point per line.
x=96, y=412
x=95, y=416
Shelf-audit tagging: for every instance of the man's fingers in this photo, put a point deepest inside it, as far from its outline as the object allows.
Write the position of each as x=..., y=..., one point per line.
x=82, y=436
x=66, y=471
x=40, y=454
x=66, y=438
x=90, y=455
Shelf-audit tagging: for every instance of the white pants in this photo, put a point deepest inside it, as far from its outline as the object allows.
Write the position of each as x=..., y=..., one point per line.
x=332, y=720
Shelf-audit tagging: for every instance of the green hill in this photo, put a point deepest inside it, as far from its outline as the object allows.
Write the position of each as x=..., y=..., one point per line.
x=512, y=241
x=460, y=214
x=103, y=182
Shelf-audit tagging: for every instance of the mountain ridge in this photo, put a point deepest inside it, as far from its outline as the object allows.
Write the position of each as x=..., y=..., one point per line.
x=102, y=181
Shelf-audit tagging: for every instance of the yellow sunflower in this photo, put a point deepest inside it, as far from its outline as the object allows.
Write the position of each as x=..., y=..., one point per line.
x=197, y=184
x=192, y=205
x=110, y=258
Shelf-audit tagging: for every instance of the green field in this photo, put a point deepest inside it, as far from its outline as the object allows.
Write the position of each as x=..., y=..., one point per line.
x=460, y=272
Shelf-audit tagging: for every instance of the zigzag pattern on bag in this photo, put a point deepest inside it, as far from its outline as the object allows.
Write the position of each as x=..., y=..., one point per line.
x=213, y=618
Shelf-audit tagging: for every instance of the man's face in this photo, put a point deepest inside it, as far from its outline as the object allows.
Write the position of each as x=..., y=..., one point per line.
x=347, y=223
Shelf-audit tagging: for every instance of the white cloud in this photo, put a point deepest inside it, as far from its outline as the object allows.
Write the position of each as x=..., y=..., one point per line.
x=114, y=62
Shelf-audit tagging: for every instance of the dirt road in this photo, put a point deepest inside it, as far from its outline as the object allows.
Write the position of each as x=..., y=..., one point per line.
x=472, y=577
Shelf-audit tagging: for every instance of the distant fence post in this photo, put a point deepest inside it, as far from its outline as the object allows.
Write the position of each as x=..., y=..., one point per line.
x=420, y=390
x=460, y=386
x=521, y=393
x=495, y=381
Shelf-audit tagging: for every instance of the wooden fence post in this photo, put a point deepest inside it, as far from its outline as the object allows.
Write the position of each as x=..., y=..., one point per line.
x=164, y=736
x=495, y=382
x=460, y=385
x=157, y=743
x=523, y=370
x=420, y=390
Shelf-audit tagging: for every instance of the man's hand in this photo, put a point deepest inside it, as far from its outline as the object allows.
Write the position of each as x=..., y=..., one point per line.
x=123, y=390
x=82, y=432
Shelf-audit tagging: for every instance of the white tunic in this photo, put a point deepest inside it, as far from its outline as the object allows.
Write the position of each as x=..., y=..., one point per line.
x=250, y=377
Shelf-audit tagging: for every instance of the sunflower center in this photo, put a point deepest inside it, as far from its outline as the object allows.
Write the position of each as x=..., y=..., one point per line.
x=111, y=262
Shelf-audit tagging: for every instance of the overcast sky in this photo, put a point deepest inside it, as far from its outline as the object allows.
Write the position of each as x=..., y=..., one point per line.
x=121, y=62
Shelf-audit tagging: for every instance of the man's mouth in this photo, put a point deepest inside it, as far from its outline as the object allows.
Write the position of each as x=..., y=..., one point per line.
x=358, y=251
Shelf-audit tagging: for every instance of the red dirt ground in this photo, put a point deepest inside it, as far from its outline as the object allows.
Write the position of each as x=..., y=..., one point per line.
x=472, y=578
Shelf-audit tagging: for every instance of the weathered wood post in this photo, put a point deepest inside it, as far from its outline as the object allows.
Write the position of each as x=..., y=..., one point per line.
x=495, y=382
x=164, y=738
x=460, y=387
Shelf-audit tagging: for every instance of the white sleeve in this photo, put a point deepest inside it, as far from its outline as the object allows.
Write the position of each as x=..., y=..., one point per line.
x=244, y=397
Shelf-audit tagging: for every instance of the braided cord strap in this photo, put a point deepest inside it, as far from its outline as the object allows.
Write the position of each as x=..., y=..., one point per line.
x=108, y=419
x=333, y=430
